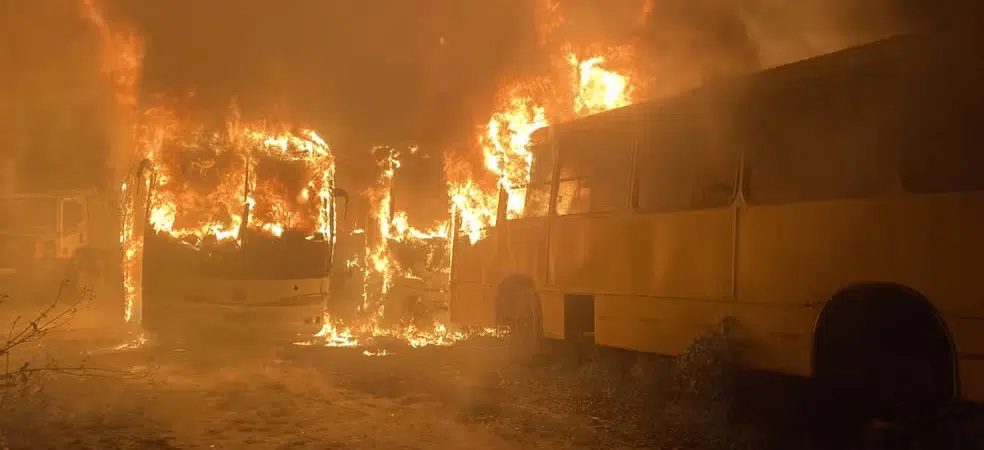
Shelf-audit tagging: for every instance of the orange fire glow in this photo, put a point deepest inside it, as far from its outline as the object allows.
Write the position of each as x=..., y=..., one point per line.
x=202, y=181
x=382, y=270
x=121, y=61
x=506, y=138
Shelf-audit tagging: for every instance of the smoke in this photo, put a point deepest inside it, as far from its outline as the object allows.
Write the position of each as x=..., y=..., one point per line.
x=377, y=72
x=52, y=97
x=686, y=42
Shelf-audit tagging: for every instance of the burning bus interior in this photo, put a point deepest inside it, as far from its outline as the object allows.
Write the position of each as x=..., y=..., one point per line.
x=250, y=205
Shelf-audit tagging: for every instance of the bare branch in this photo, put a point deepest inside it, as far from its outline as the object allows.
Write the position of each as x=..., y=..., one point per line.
x=28, y=376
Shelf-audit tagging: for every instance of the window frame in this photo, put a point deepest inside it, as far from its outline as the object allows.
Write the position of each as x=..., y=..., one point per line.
x=872, y=70
x=682, y=106
x=630, y=124
x=547, y=142
x=939, y=78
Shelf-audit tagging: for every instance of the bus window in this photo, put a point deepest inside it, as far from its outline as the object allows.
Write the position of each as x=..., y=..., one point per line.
x=537, y=200
x=941, y=145
x=683, y=164
x=537, y=194
x=829, y=138
x=595, y=163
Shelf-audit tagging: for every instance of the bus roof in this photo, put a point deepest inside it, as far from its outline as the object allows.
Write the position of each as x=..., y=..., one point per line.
x=771, y=78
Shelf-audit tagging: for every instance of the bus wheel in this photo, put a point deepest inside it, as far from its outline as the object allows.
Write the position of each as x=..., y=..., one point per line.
x=518, y=308
x=882, y=352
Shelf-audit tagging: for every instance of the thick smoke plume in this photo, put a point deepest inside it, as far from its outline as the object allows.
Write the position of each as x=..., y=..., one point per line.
x=684, y=43
x=422, y=72
x=54, y=101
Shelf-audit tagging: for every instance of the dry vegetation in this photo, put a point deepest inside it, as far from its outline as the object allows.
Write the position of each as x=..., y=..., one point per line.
x=480, y=393
x=28, y=362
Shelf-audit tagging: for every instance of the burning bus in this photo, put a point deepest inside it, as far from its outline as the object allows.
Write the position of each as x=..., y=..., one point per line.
x=234, y=228
x=827, y=208
x=393, y=271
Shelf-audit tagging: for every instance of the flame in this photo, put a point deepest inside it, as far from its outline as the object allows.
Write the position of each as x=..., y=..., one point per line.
x=506, y=145
x=548, y=19
x=335, y=334
x=203, y=181
x=507, y=156
x=121, y=55
x=597, y=89
x=132, y=248
x=382, y=269
x=506, y=139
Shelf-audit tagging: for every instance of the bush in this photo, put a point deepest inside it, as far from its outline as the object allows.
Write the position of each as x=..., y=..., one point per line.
x=701, y=410
x=18, y=376
x=24, y=368
x=683, y=402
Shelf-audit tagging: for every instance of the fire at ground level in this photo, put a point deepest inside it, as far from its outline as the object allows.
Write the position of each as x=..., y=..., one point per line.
x=479, y=393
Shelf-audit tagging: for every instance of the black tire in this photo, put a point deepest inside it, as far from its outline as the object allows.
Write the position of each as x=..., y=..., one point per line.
x=881, y=354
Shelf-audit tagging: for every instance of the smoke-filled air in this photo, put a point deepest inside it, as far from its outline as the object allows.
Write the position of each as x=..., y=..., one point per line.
x=484, y=224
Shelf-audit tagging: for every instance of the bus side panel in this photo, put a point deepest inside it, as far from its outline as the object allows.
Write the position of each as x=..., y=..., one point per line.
x=683, y=255
x=941, y=244
x=942, y=248
x=658, y=280
x=526, y=254
x=971, y=374
x=773, y=338
x=666, y=326
x=689, y=255
x=802, y=254
x=968, y=334
x=526, y=249
x=794, y=257
x=473, y=263
x=472, y=297
x=472, y=304
x=552, y=304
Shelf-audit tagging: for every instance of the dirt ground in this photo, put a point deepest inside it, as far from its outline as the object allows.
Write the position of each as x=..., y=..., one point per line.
x=479, y=394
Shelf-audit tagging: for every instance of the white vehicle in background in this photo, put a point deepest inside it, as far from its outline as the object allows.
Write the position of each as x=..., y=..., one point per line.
x=59, y=241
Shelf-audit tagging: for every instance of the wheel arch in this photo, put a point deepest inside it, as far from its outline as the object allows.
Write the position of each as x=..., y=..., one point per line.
x=840, y=304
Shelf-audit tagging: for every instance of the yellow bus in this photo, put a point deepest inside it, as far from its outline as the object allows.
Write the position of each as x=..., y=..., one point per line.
x=833, y=207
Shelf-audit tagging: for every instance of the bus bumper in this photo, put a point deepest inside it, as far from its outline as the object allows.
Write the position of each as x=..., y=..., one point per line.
x=281, y=310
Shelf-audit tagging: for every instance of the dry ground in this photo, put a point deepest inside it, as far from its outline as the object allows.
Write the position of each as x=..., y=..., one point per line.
x=475, y=395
